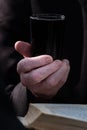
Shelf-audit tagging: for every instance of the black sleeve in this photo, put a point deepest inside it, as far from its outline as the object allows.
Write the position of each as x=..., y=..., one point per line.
x=8, y=119
x=14, y=26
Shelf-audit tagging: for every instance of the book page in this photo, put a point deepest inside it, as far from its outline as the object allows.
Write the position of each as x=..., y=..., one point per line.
x=73, y=111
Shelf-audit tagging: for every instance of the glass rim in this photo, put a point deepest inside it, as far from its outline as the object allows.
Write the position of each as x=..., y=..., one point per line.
x=47, y=17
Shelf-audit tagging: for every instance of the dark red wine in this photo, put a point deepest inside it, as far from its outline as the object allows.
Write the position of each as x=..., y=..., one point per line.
x=47, y=35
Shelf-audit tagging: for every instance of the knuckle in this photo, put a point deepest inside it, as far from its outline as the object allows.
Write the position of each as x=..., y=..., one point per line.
x=30, y=62
x=21, y=66
x=24, y=65
x=58, y=62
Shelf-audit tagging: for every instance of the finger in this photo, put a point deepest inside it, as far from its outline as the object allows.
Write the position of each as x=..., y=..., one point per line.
x=49, y=89
x=59, y=75
x=64, y=79
x=23, y=48
x=28, y=64
x=66, y=61
x=67, y=71
x=38, y=75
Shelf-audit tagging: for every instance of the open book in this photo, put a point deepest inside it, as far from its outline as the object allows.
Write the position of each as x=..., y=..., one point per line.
x=56, y=117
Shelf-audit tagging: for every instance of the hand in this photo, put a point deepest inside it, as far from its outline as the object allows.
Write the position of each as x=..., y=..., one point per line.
x=41, y=75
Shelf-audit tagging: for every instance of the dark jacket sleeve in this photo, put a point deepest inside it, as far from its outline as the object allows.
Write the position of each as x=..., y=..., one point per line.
x=8, y=120
x=14, y=26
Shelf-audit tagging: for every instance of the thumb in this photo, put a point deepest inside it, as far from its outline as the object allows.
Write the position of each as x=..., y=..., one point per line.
x=23, y=48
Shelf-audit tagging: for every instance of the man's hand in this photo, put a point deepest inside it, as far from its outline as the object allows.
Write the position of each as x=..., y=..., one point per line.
x=41, y=75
